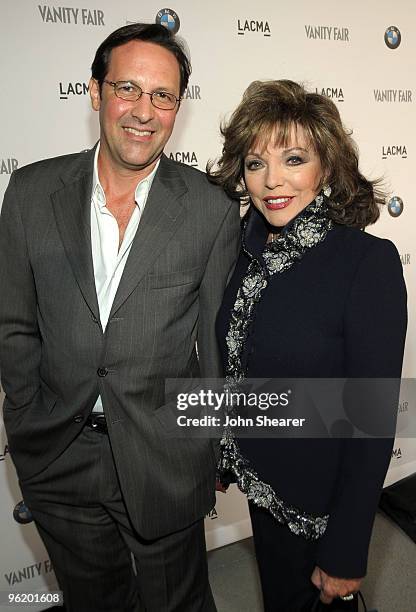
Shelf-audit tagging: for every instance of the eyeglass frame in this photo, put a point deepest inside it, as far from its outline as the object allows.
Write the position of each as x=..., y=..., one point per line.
x=148, y=93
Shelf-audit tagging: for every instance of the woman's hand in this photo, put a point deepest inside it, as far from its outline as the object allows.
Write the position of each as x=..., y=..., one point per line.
x=219, y=486
x=332, y=587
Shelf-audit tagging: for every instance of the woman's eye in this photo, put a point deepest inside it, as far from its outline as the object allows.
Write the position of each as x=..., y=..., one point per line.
x=295, y=160
x=253, y=164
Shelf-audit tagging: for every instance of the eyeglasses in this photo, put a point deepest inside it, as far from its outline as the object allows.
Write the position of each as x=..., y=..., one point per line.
x=126, y=90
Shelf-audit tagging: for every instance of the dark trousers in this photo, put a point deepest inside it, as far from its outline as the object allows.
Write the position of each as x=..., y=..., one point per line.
x=101, y=563
x=286, y=562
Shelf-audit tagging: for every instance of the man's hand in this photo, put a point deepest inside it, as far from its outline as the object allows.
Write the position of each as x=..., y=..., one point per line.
x=332, y=587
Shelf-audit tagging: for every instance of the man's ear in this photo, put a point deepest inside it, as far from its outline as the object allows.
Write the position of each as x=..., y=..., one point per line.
x=95, y=94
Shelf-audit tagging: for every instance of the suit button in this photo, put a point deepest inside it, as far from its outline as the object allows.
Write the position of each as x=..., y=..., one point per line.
x=102, y=372
x=78, y=418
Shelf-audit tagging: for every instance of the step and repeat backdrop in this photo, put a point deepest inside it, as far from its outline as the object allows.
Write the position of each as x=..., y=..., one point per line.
x=359, y=54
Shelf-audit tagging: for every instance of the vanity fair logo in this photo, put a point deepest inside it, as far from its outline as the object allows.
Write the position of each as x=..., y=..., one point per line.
x=395, y=206
x=394, y=151
x=169, y=19
x=192, y=92
x=249, y=26
x=185, y=157
x=392, y=37
x=405, y=259
x=335, y=93
x=8, y=164
x=393, y=95
x=72, y=89
x=322, y=32
x=19, y=575
x=71, y=15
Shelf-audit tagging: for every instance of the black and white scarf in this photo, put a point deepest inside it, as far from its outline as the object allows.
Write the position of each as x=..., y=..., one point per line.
x=308, y=229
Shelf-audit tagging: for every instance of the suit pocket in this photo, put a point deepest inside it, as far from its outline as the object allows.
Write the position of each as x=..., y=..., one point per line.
x=170, y=307
x=166, y=280
x=44, y=400
x=48, y=397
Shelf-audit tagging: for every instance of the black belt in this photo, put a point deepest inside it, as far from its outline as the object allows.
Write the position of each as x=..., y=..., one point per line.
x=97, y=421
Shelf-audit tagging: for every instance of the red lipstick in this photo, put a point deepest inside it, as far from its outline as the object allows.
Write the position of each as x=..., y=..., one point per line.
x=277, y=202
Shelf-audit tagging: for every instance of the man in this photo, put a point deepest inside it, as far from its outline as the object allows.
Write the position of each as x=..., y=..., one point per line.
x=113, y=264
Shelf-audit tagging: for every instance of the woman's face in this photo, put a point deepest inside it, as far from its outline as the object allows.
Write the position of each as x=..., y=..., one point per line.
x=282, y=181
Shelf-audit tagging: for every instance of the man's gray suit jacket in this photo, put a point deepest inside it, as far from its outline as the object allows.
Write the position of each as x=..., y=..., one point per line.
x=55, y=359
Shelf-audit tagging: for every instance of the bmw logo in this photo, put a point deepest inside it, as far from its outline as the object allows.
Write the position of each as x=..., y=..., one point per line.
x=392, y=37
x=22, y=514
x=395, y=206
x=169, y=19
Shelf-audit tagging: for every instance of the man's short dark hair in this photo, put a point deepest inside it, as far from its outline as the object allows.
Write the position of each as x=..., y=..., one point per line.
x=146, y=32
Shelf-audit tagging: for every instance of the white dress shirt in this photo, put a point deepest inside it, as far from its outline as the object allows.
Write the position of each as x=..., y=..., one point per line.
x=108, y=259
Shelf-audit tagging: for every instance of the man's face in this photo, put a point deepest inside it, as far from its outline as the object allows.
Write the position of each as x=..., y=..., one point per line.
x=133, y=134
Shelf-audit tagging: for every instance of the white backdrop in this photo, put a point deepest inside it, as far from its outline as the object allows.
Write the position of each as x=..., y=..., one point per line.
x=339, y=50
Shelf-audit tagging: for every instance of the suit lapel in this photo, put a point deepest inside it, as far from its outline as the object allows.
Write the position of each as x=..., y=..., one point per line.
x=72, y=209
x=163, y=214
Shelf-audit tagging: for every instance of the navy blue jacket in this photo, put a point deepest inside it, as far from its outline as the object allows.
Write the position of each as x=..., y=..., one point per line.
x=338, y=312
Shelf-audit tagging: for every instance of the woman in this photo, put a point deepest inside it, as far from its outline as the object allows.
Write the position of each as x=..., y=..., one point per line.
x=312, y=296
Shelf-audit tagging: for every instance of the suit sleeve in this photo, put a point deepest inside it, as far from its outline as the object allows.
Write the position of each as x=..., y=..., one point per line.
x=375, y=323
x=20, y=342
x=218, y=270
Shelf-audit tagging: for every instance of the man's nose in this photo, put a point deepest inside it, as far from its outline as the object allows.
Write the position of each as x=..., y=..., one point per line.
x=143, y=108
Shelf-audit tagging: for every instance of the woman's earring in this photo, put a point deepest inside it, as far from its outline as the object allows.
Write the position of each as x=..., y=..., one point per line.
x=327, y=190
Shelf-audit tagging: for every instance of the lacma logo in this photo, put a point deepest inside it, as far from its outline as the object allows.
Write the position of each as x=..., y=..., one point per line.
x=212, y=514
x=249, y=26
x=72, y=89
x=394, y=151
x=4, y=453
x=335, y=93
x=185, y=157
